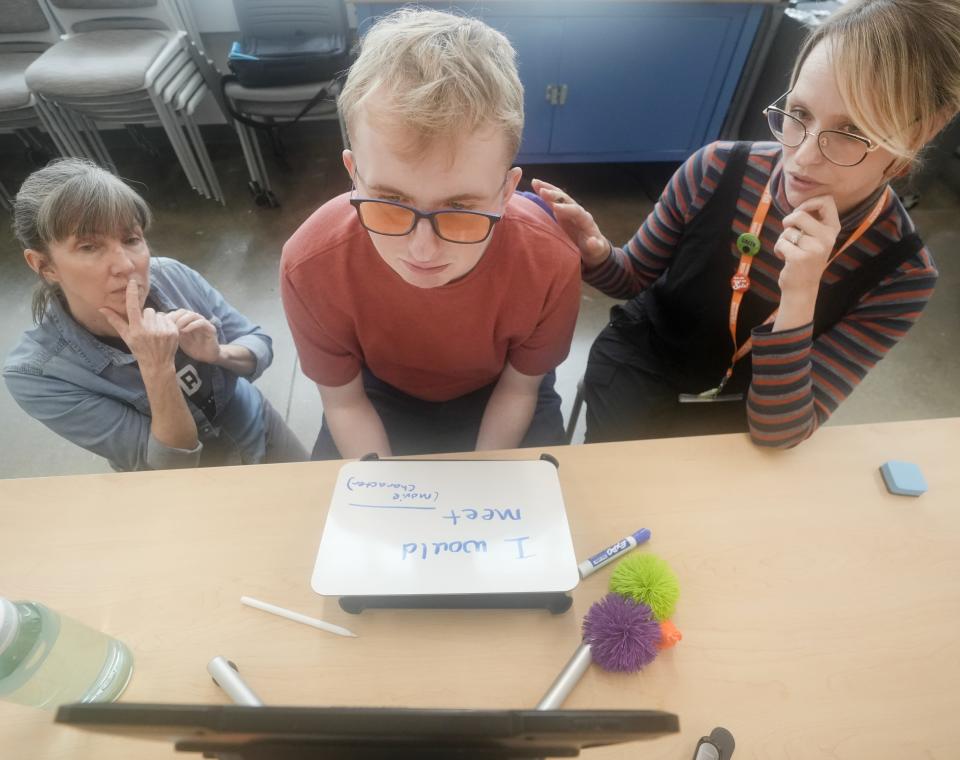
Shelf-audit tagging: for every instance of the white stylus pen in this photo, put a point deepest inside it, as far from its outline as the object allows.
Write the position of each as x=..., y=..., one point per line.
x=296, y=616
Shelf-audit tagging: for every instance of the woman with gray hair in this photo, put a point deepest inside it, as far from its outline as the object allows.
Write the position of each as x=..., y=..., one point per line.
x=135, y=358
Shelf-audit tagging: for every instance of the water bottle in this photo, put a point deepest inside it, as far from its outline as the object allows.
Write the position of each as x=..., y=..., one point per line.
x=48, y=659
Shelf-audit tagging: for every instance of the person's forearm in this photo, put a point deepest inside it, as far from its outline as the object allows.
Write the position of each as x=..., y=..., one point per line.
x=238, y=359
x=589, y=262
x=170, y=420
x=781, y=411
x=615, y=275
x=506, y=419
x=796, y=309
x=357, y=430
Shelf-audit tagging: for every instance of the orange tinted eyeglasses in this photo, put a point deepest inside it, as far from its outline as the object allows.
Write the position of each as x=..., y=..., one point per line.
x=397, y=219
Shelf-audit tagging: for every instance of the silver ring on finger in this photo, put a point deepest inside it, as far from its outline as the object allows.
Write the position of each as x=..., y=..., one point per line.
x=797, y=237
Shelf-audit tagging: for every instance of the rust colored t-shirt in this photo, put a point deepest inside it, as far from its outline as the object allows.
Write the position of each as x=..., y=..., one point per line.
x=347, y=308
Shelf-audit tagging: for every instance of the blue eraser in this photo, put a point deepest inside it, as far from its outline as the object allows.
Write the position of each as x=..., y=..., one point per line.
x=903, y=478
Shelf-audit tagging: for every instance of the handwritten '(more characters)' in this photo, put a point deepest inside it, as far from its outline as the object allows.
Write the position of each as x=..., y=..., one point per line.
x=403, y=496
x=356, y=484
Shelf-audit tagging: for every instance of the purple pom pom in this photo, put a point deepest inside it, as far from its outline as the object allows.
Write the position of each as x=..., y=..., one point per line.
x=622, y=634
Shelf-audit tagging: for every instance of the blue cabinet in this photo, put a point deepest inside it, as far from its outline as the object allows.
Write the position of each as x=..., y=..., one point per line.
x=537, y=42
x=619, y=81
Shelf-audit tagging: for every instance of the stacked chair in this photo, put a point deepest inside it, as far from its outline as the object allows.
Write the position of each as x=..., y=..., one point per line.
x=26, y=31
x=134, y=62
x=268, y=106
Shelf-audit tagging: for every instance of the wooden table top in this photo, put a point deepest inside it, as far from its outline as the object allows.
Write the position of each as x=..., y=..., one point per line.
x=820, y=614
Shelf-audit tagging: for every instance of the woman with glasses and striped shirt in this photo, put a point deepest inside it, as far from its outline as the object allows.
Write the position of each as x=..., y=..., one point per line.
x=770, y=277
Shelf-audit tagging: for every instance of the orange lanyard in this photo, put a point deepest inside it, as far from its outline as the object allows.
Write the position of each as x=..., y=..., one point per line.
x=749, y=245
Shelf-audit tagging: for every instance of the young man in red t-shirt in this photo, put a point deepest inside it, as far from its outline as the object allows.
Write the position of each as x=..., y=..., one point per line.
x=432, y=304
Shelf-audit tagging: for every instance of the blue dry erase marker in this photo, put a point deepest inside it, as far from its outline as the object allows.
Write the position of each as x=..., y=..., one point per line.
x=609, y=554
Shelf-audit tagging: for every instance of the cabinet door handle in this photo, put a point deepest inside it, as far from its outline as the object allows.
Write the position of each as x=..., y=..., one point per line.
x=562, y=95
x=552, y=94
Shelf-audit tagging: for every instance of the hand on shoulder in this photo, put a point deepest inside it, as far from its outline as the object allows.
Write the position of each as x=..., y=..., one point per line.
x=576, y=222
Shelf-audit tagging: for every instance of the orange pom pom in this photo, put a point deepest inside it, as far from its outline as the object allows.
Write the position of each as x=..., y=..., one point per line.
x=669, y=634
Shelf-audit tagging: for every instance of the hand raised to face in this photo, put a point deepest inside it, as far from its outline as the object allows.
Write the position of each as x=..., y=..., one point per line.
x=151, y=336
x=807, y=242
x=198, y=336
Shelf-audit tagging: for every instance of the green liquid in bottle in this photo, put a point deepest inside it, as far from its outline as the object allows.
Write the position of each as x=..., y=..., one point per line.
x=55, y=660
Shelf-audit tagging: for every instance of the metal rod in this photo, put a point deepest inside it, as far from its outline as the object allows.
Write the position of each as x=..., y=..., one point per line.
x=225, y=676
x=567, y=680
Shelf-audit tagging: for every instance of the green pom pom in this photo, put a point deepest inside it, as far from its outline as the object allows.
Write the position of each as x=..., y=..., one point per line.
x=647, y=578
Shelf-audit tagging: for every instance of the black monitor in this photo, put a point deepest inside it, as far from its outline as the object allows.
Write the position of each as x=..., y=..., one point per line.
x=233, y=732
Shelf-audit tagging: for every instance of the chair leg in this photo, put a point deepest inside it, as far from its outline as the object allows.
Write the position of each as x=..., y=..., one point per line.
x=90, y=131
x=200, y=148
x=6, y=202
x=50, y=129
x=138, y=134
x=185, y=110
x=29, y=139
x=180, y=146
x=574, y=414
x=258, y=156
x=38, y=154
x=261, y=188
x=52, y=116
x=256, y=183
x=247, y=151
x=76, y=128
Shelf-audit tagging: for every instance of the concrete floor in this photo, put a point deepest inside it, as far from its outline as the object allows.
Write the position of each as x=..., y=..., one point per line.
x=237, y=248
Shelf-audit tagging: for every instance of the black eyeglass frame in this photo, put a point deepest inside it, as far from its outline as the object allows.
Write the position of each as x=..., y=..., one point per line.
x=431, y=216
x=868, y=144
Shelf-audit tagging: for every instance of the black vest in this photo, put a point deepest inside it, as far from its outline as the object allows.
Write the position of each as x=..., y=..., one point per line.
x=683, y=317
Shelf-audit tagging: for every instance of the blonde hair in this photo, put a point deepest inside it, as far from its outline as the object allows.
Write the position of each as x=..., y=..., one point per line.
x=897, y=64
x=439, y=75
x=72, y=196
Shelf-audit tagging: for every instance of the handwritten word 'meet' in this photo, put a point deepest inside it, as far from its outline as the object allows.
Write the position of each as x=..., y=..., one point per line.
x=482, y=514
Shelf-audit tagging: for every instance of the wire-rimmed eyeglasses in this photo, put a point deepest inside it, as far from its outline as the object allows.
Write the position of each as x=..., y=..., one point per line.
x=838, y=147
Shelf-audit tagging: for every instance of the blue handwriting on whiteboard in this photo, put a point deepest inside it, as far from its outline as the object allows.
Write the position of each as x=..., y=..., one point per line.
x=388, y=506
x=520, y=540
x=355, y=483
x=423, y=550
x=417, y=495
x=482, y=514
x=405, y=492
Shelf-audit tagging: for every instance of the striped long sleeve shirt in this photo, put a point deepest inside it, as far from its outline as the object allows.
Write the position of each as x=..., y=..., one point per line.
x=797, y=381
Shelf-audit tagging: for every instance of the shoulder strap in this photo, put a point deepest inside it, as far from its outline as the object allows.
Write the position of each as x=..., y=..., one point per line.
x=837, y=300
x=722, y=203
x=737, y=163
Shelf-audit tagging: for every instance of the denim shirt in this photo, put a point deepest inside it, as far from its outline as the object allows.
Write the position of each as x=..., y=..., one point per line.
x=93, y=395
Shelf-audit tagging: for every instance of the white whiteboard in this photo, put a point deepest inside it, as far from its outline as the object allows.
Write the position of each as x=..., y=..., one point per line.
x=445, y=527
